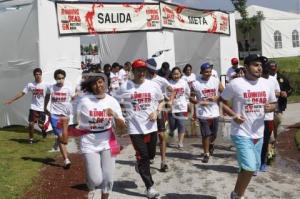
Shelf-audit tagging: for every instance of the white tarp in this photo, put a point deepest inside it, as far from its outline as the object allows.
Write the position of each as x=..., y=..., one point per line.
x=274, y=20
x=29, y=38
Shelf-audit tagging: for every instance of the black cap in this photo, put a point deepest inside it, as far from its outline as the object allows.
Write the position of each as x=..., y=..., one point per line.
x=254, y=57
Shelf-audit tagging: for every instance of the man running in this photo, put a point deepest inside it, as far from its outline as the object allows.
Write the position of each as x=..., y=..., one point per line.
x=207, y=89
x=36, y=113
x=251, y=99
x=141, y=99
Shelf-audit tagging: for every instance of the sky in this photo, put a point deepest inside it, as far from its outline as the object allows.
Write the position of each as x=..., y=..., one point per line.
x=285, y=5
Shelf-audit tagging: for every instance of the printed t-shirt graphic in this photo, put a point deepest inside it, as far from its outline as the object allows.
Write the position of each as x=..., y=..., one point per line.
x=203, y=90
x=180, y=103
x=139, y=101
x=38, y=91
x=249, y=98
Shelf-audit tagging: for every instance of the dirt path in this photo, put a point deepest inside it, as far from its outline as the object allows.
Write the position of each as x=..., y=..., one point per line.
x=188, y=178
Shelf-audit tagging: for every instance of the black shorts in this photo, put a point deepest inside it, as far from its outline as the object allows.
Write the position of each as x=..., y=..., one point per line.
x=36, y=116
x=209, y=127
x=161, y=126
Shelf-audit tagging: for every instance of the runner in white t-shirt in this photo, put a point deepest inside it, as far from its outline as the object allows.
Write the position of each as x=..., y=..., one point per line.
x=60, y=111
x=165, y=87
x=96, y=113
x=141, y=99
x=269, y=119
x=115, y=80
x=232, y=71
x=179, y=113
x=36, y=113
x=206, y=89
x=251, y=99
x=190, y=77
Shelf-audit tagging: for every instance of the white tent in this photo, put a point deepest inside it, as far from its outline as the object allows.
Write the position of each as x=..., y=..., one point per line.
x=29, y=38
x=276, y=36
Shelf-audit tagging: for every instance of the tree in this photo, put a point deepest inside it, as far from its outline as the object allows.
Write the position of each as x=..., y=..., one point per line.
x=246, y=24
x=95, y=50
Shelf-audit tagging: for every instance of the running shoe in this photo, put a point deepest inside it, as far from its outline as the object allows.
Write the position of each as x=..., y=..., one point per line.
x=164, y=167
x=180, y=146
x=234, y=195
x=67, y=164
x=255, y=173
x=263, y=168
x=151, y=193
x=30, y=141
x=205, y=158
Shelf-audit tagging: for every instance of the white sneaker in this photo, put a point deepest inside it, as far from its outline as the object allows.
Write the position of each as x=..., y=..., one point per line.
x=151, y=193
x=234, y=195
x=67, y=164
x=53, y=150
x=94, y=194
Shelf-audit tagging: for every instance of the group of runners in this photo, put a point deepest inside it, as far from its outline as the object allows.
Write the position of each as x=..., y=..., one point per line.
x=140, y=98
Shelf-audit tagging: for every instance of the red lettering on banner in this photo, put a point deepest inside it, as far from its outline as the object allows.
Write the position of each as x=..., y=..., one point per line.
x=224, y=23
x=136, y=9
x=215, y=24
x=89, y=18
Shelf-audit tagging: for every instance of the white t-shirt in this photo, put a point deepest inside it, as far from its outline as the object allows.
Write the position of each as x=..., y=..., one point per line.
x=162, y=83
x=181, y=100
x=61, y=99
x=203, y=90
x=189, y=79
x=114, y=80
x=274, y=85
x=123, y=76
x=139, y=101
x=92, y=117
x=230, y=73
x=38, y=91
x=249, y=98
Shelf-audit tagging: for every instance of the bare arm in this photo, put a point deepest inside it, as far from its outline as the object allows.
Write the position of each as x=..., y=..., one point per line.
x=237, y=118
x=18, y=96
x=47, y=98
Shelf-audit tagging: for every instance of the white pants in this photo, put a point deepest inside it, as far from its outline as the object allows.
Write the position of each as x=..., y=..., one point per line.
x=99, y=170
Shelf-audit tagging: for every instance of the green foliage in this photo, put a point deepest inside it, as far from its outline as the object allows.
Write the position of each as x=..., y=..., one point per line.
x=297, y=139
x=20, y=162
x=290, y=68
x=247, y=24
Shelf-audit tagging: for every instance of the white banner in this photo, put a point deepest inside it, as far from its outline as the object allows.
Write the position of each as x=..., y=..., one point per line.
x=92, y=18
x=179, y=17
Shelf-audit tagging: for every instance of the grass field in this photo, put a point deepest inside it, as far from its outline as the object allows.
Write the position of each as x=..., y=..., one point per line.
x=289, y=64
x=20, y=162
x=297, y=139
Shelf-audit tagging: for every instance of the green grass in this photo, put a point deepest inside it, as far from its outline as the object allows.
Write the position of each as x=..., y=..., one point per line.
x=297, y=139
x=20, y=162
x=289, y=64
x=294, y=99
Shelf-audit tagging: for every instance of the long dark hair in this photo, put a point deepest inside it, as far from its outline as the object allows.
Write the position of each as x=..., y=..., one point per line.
x=186, y=67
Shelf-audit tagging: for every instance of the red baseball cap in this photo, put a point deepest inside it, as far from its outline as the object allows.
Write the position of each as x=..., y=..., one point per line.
x=234, y=61
x=139, y=63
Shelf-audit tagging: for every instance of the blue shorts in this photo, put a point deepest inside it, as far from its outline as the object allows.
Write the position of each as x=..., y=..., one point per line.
x=248, y=152
x=56, y=124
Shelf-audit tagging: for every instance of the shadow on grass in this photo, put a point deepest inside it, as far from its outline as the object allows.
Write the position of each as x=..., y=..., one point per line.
x=46, y=161
x=124, y=187
x=186, y=196
x=81, y=187
x=218, y=168
x=22, y=140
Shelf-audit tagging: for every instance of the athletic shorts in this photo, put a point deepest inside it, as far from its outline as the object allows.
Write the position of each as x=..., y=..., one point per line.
x=177, y=121
x=248, y=152
x=209, y=127
x=56, y=124
x=161, y=126
x=36, y=116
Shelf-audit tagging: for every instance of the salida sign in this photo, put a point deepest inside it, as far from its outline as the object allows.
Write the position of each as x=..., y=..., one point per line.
x=92, y=18
x=87, y=18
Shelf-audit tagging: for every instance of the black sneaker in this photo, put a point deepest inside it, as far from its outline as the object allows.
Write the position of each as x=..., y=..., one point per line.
x=205, y=158
x=44, y=133
x=164, y=167
x=211, y=148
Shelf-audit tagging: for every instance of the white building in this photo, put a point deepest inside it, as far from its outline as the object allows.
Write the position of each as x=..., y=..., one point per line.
x=276, y=36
